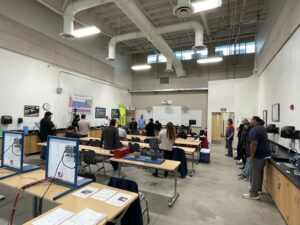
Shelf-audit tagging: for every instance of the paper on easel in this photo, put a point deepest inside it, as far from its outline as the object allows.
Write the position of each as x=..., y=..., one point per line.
x=54, y=218
x=119, y=199
x=85, y=217
x=85, y=192
x=104, y=194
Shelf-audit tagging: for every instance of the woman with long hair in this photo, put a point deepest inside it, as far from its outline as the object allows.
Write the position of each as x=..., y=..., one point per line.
x=167, y=138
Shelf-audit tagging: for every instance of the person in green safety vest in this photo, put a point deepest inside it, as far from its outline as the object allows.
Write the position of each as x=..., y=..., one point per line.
x=122, y=111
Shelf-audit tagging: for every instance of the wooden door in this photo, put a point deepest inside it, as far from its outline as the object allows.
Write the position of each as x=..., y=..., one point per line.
x=217, y=127
x=294, y=209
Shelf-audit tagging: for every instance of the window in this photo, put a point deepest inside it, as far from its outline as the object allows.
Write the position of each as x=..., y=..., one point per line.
x=180, y=55
x=238, y=49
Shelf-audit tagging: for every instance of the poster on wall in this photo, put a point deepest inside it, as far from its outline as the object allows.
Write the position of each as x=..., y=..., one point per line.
x=115, y=114
x=31, y=111
x=100, y=112
x=82, y=103
x=276, y=113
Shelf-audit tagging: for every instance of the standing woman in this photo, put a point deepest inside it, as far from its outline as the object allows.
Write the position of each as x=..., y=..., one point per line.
x=167, y=139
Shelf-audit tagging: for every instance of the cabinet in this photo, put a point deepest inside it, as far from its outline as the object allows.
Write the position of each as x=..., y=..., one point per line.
x=285, y=194
x=96, y=133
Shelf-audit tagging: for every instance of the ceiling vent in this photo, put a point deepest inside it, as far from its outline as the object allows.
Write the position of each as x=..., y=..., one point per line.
x=164, y=80
x=67, y=36
x=183, y=9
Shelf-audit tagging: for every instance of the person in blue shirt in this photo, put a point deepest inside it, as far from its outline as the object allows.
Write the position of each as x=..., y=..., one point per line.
x=141, y=122
x=229, y=137
x=260, y=152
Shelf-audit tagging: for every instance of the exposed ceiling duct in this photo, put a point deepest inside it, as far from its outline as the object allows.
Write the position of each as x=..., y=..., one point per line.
x=183, y=9
x=74, y=8
x=196, y=26
x=135, y=14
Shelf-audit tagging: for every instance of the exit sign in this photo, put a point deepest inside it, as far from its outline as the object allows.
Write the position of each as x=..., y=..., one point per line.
x=223, y=109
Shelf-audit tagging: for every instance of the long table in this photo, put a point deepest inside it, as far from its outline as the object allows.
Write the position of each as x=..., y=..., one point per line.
x=167, y=165
x=69, y=201
x=187, y=150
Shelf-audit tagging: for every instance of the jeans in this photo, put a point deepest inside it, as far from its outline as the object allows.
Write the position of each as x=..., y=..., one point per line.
x=229, y=147
x=246, y=171
x=257, y=175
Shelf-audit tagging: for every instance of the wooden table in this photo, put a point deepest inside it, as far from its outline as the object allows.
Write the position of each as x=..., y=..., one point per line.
x=167, y=165
x=187, y=150
x=66, y=207
x=87, y=139
x=69, y=201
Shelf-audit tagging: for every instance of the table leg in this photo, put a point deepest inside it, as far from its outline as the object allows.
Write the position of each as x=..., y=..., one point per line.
x=35, y=206
x=193, y=165
x=176, y=194
x=198, y=155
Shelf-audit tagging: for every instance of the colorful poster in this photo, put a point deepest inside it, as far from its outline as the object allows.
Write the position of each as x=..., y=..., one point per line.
x=82, y=103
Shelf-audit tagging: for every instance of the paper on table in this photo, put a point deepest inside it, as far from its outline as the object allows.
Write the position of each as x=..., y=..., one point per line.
x=104, y=194
x=85, y=217
x=54, y=218
x=85, y=192
x=119, y=199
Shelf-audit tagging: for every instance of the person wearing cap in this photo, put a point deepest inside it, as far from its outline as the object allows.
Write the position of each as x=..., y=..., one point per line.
x=47, y=128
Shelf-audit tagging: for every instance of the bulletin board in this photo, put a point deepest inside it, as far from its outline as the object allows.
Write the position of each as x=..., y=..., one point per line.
x=62, y=160
x=82, y=103
x=12, y=150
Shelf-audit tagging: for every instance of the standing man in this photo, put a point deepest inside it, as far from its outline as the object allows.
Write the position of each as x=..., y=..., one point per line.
x=133, y=126
x=84, y=126
x=150, y=128
x=106, y=121
x=229, y=137
x=47, y=128
x=110, y=138
x=141, y=122
x=259, y=153
x=122, y=133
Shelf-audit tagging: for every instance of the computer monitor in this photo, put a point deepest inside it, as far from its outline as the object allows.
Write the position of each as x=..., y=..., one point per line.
x=192, y=122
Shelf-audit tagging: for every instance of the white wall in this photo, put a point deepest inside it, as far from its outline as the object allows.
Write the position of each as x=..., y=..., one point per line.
x=238, y=96
x=279, y=83
x=27, y=81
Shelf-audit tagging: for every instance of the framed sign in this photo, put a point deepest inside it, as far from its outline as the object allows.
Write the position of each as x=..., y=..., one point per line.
x=276, y=112
x=265, y=117
x=83, y=104
x=115, y=114
x=100, y=112
x=31, y=111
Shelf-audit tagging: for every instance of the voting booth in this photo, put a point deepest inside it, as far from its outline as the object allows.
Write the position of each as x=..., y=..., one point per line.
x=13, y=154
x=62, y=163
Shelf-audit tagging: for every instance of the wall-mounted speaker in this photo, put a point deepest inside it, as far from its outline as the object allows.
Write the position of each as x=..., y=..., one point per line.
x=5, y=120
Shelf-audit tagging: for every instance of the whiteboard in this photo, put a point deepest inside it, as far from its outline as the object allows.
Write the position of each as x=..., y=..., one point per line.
x=167, y=113
x=192, y=114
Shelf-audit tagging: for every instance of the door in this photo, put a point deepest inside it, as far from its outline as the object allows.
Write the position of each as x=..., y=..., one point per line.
x=217, y=128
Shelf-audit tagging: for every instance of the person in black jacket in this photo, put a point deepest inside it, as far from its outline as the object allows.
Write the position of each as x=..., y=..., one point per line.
x=47, y=128
x=133, y=126
x=158, y=127
x=150, y=129
x=110, y=138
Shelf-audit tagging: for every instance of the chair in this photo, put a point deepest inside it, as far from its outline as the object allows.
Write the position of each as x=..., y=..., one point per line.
x=135, y=139
x=89, y=158
x=134, y=214
x=134, y=147
x=178, y=154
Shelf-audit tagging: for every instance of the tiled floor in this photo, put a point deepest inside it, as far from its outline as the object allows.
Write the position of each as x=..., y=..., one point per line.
x=211, y=197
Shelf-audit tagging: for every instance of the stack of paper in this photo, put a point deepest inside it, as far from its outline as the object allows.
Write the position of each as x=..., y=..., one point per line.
x=54, y=218
x=85, y=192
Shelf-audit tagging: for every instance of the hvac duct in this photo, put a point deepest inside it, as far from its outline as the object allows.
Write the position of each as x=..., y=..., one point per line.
x=135, y=14
x=74, y=8
x=196, y=26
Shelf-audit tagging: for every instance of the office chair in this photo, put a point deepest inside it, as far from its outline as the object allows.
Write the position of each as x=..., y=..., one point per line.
x=134, y=213
x=135, y=139
x=89, y=158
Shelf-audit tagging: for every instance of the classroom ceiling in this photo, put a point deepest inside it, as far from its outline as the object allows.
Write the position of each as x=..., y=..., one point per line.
x=234, y=20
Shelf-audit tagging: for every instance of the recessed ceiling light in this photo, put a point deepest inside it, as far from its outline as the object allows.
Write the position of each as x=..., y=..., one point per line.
x=203, y=5
x=86, y=31
x=141, y=67
x=210, y=60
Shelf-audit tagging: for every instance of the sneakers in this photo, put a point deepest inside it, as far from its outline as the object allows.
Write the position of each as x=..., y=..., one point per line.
x=228, y=155
x=259, y=192
x=248, y=196
x=242, y=177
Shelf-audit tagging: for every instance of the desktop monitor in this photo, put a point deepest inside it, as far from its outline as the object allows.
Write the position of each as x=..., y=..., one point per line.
x=192, y=122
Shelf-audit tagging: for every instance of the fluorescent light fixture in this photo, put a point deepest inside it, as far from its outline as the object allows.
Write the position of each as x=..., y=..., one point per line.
x=210, y=60
x=203, y=5
x=141, y=67
x=86, y=31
